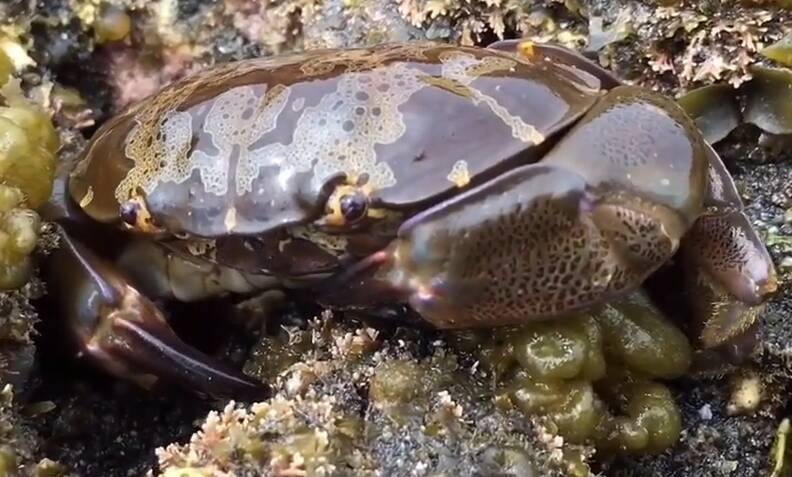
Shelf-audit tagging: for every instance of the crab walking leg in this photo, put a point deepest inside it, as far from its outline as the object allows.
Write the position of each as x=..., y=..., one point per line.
x=729, y=272
x=124, y=333
x=161, y=273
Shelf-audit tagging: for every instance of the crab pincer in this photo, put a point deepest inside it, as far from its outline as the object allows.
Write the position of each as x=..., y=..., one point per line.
x=123, y=332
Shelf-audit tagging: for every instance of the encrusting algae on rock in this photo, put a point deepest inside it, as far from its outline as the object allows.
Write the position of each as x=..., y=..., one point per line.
x=354, y=404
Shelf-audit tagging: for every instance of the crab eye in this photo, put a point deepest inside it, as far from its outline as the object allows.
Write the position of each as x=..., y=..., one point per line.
x=353, y=206
x=129, y=212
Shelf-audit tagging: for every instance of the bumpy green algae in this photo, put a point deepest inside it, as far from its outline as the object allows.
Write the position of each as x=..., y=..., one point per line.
x=592, y=375
x=111, y=24
x=19, y=230
x=28, y=143
x=637, y=335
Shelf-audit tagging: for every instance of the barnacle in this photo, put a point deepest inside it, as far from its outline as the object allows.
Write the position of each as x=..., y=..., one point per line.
x=591, y=374
x=19, y=228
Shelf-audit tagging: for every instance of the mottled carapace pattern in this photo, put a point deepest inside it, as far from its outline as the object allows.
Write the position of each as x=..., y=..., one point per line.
x=254, y=145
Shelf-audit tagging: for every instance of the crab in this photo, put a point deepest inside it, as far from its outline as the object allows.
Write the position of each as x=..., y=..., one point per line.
x=480, y=187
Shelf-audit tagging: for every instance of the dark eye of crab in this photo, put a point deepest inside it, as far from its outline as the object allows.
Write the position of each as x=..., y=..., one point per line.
x=353, y=207
x=129, y=212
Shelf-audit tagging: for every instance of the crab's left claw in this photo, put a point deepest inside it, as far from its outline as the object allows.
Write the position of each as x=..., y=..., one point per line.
x=123, y=332
x=729, y=272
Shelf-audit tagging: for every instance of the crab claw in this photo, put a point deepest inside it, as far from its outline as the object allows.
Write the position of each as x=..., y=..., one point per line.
x=124, y=333
x=531, y=51
x=728, y=269
x=606, y=207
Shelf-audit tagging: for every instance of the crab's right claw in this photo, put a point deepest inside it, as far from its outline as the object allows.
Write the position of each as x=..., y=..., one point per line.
x=531, y=51
x=589, y=223
x=123, y=332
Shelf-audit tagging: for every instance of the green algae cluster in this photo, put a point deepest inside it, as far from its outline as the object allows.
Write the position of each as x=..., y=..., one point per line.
x=19, y=229
x=28, y=144
x=594, y=376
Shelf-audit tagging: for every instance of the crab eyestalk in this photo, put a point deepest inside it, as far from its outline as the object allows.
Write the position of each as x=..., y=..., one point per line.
x=123, y=332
